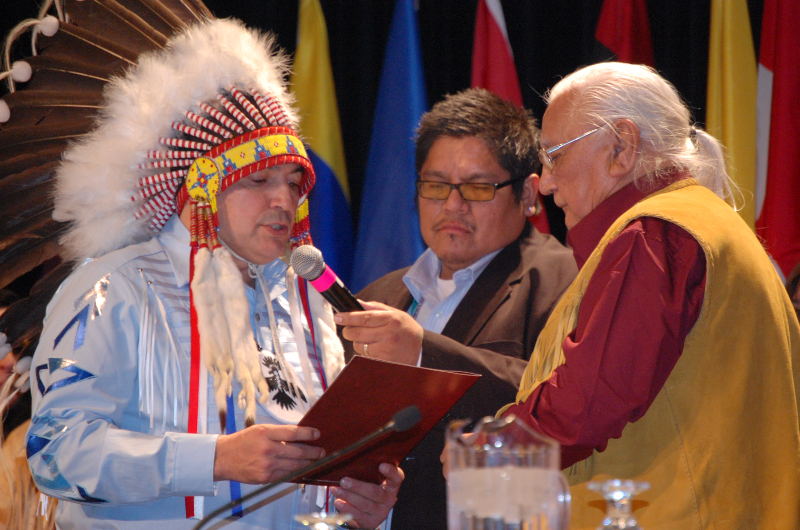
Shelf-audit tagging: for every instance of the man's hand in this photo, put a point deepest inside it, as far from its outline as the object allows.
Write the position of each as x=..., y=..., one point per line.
x=369, y=504
x=264, y=453
x=390, y=334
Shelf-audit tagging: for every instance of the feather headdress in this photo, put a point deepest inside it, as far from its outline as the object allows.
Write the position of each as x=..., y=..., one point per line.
x=180, y=119
x=101, y=179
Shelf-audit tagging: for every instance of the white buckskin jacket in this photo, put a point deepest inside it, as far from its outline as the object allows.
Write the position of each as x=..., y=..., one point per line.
x=110, y=382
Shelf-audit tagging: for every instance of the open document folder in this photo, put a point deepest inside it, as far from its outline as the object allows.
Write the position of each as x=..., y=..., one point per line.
x=365, y=395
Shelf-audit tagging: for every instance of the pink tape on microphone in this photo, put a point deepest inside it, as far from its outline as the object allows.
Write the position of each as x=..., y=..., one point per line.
x=325, y=280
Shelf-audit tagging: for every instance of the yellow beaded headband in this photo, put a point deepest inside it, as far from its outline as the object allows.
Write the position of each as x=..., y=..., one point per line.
x=220, y=154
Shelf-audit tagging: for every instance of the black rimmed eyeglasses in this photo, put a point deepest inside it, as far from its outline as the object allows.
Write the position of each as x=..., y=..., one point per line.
x=469, y=191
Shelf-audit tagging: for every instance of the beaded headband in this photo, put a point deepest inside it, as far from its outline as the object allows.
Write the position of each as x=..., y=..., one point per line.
x=215, y=152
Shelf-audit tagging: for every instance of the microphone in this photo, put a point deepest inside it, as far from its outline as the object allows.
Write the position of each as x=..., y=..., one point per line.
x=400, y=422
x=307, y=262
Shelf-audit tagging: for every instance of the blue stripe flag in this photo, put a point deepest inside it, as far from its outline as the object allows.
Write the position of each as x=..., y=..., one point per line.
x=312, y=84
x=388, y=231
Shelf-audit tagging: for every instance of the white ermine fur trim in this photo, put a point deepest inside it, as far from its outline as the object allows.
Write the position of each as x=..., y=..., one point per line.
x=297, y=329
x=245, y=354
x=327, y=340
x=215, y=341
x=98, y=176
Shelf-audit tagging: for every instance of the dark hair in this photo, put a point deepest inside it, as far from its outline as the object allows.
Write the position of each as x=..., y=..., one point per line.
x=509, y=131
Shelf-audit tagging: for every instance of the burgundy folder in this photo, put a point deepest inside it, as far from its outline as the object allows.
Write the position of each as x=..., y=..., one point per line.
x=363, y=398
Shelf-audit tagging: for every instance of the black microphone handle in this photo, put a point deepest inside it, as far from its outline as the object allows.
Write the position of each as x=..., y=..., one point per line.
x=303, y=471
x=341, y=298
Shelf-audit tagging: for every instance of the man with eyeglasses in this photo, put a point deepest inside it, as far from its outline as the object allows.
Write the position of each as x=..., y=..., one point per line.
x=674, y=357
x=478, y=297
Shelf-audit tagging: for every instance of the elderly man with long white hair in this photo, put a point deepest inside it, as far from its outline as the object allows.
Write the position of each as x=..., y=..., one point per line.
x=673, y=356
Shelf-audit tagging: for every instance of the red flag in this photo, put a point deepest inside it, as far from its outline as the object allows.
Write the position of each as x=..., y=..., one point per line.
x=778, y=136
x=493, y=66
x=492, y=60
x=624, y=29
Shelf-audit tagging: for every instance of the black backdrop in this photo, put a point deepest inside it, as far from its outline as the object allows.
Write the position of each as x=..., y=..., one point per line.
x=550, y=38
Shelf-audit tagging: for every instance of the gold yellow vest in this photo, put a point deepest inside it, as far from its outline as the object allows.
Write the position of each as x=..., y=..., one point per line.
x=720, y=444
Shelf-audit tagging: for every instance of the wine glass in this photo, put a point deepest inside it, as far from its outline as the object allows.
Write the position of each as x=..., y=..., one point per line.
x=618, y=495
x=323, y=520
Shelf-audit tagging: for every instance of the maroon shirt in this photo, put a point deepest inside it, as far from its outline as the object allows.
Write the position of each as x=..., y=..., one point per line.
x=640, y=304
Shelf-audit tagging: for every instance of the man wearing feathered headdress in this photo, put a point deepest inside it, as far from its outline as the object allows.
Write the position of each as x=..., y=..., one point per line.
x=176, y=360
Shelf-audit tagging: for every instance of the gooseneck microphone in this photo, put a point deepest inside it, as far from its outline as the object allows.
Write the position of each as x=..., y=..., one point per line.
x=307, y=262
x=400, y=422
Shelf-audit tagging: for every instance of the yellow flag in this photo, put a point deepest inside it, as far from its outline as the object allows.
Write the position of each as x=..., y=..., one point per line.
x=312, y=84
x=731, y=97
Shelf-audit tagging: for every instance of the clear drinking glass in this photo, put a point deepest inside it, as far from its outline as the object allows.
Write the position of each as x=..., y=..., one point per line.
x=618, y=495
x=504, y=476
x=323, y=520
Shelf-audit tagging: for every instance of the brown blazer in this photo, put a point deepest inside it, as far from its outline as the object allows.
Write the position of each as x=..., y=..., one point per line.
x=492, y=333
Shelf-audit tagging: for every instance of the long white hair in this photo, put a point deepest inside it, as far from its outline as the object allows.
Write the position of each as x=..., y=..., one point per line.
x=606, y=92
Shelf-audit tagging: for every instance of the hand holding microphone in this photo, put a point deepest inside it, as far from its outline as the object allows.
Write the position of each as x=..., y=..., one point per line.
x=378, y=331
x=307, y=262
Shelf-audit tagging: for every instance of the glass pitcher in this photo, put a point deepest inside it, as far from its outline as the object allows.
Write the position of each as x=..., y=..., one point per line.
x=504, y=476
